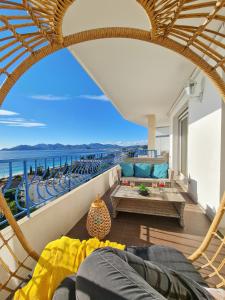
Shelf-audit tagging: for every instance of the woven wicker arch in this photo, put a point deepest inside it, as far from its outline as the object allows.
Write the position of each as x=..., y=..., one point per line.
x=114, y=32
x=32, y=29
x=210, y=256
x=16, y=268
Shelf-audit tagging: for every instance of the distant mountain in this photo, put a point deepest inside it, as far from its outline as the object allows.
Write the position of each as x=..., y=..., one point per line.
x=63, y=147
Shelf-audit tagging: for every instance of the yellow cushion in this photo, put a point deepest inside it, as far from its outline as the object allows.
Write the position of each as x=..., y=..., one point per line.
x=58, y=260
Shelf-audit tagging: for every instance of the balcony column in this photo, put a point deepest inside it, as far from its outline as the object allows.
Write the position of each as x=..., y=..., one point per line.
x=151, y=132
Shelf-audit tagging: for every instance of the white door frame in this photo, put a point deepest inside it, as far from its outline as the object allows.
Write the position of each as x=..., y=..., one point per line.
x=183, y=115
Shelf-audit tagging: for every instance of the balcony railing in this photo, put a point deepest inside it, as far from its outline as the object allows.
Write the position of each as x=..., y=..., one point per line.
x=28, y=184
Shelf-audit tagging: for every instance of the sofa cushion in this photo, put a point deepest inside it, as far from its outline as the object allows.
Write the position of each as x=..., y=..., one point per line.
x=170, y=258
x=127, y=169
x=142, y=170
x=160, y=171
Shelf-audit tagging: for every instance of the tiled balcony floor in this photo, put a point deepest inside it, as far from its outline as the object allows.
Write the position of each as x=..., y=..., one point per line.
x=144, y=230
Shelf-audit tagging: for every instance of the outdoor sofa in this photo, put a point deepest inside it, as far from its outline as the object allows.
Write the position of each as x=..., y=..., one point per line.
x=146, y=171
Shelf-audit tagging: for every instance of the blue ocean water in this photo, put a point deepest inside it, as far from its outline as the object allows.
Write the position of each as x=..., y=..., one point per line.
x=26, y=154
x=39, y=156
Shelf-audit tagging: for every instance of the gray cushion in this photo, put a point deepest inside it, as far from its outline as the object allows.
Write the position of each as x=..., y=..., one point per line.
x=113, y=274
x=110, y=273
x=66, y=290
x=104, y=275
x=170, y=258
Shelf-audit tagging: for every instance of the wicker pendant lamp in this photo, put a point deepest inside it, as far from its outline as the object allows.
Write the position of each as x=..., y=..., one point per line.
x=98, y=219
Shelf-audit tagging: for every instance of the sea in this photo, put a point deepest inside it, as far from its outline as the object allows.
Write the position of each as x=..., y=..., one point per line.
x=17, y=157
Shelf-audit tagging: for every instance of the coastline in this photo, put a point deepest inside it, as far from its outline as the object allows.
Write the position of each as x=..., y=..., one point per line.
x=42, y=158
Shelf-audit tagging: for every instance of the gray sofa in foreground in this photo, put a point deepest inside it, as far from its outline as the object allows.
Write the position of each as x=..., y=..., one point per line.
x=139, y=273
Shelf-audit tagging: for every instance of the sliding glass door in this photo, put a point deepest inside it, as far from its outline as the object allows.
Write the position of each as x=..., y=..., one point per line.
x=183, y=142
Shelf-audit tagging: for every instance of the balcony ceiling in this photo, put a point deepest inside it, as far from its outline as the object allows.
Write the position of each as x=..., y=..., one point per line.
x=138, y=77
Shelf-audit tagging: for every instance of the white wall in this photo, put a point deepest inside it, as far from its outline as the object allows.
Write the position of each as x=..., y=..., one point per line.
x=57, y=217
x=205, y=136
x=222, y=160
x=204, y=148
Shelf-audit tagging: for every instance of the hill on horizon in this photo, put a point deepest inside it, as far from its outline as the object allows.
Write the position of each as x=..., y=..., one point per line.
x=59, y=146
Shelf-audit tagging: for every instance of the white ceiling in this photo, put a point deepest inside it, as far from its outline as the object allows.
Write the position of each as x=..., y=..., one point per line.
x=138, y=77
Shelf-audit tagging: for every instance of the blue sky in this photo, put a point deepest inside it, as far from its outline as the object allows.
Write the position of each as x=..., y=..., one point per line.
x=57, y=102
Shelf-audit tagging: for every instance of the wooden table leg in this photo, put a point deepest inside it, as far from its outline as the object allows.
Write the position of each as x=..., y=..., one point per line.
x=114, y=206
x=180, y=210
x=182, y=214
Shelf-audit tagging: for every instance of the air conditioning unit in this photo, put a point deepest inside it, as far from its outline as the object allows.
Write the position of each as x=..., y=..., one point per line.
x=190, y=88
x=195, y=90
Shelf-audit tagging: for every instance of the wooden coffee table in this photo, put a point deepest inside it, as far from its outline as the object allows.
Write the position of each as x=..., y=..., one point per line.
x=166, y=203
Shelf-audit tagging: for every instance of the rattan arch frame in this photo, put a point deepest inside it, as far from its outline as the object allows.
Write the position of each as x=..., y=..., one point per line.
x=33, y=29
x=45, y=17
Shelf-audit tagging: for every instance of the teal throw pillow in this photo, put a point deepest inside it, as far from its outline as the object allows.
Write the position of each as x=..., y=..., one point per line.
x=127, y=169
x=160, y=170
x=142, y=170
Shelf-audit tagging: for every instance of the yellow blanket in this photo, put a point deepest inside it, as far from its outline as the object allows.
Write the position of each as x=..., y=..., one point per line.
x=59, y=259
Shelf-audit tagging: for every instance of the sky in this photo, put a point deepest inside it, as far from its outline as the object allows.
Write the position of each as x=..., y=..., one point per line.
x=57, y=102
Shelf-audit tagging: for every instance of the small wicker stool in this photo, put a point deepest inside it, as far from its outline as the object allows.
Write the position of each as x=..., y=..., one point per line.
x=98, y=219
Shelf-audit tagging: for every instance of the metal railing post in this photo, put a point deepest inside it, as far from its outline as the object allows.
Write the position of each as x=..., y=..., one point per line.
x=26, y=187
x=9, y=181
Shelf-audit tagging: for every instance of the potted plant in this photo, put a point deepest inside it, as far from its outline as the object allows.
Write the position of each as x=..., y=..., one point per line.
x=143, y=190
